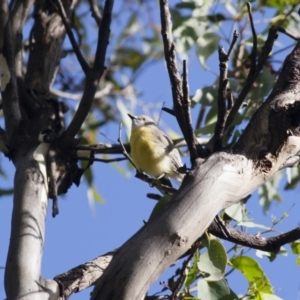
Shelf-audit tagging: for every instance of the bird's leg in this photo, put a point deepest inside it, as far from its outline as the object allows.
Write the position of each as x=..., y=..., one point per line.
x=161, y=176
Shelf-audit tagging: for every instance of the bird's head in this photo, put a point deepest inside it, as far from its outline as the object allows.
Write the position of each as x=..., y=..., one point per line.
x=140, y=121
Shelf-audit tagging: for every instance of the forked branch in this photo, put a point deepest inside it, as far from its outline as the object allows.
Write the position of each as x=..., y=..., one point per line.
x=181, y=109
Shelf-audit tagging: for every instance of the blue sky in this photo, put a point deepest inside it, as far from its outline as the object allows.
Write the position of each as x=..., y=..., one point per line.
x=81, y=232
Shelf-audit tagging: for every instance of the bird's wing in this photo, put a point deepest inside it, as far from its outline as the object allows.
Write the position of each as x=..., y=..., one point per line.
x=170, y=149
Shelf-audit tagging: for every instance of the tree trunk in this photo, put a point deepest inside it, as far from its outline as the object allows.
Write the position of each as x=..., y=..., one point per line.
x=23, y=266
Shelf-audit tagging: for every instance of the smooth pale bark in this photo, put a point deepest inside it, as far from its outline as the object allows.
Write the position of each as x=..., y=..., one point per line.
x=23, y=266
x=268, y=143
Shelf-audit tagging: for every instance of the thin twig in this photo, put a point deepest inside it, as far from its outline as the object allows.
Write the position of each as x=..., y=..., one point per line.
x=253, y=54
x=83, y=63
x=230, y=100
x=194, y=248
x=233, y=42
x=155, y=197
x=169, y=111
x=95, y=12
x=102, y=160
x=155, y=183
x=288, y=33
x=271, y=244
x=191, y=139
x=200, y=116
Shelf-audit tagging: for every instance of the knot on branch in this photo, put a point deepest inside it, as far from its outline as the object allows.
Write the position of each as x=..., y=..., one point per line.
x=181, y=240
x=265, y=164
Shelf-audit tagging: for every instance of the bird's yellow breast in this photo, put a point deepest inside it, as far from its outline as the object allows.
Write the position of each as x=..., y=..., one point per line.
x=147, y=153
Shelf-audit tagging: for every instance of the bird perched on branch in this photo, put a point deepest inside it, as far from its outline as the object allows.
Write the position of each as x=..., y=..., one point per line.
x=152, y=151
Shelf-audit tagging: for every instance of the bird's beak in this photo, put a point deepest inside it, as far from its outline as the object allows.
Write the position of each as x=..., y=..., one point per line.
x=131, y=116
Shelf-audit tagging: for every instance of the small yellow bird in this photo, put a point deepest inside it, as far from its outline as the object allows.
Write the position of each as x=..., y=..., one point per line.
x=152, y=151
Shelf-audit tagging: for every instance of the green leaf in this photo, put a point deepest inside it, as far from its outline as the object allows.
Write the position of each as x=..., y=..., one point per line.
x=280, y=4
x=236, y=211
x=216, y=18
x=6, y=192
x=185, y=5
x=214, y=261
x=264, y=84
x=216, y=290
x=268, y=192
x=270, y=255
x=88, y=174
x=186, y=36
x=206, y=46
x=254, y=225
x=253, y=273
x=207, y=96
x=295, y=246
x=266, y=296
x=293, y=178
x=193, y=272
x=93, y=194
x=130, y=57
x=208, y=129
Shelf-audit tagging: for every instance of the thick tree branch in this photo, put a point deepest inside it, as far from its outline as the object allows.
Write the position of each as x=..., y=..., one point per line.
x=84, y=65
x=281, y=107
x=83, y=276
x=23, y=265
x=19, y=14
x=9, y=90
x=271, y=244
x=86, y=275
x=223, y=179
x=46, y=41
x=94, y=75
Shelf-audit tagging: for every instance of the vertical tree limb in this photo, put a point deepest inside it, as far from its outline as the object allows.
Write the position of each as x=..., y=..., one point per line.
x=191, y=138
x=84, y=65
x=19, y=13
x=252, y=76
x=224, y=106
x=9, y=90
x=23, y=265
x=94, y=75
x=176, y=82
